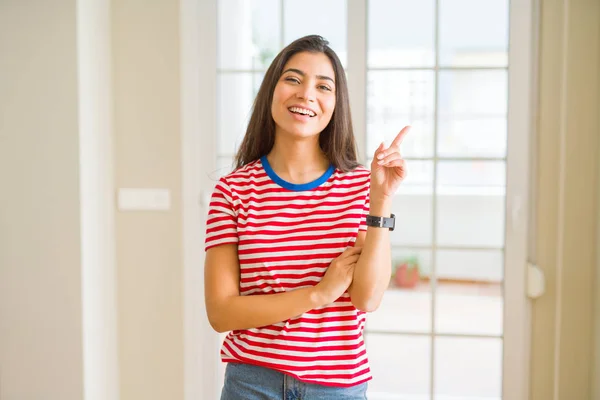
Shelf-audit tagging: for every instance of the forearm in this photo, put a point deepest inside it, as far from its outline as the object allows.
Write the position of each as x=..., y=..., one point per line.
x=245, y=312
x=374, y=267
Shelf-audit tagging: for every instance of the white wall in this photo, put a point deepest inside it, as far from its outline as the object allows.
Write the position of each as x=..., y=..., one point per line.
x=41, y=350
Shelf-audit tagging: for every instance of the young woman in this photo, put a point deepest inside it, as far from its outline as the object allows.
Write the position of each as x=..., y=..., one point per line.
x=297, y=245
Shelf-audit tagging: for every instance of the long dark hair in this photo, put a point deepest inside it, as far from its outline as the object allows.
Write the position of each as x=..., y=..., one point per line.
x=336, y=140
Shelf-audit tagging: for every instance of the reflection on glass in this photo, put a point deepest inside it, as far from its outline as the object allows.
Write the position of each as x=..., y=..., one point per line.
x=473, y=33
x=249, y=33
x=236, y=96
x=401, y=33
x=396, y=99
x=469, y=281
x=472, y=113
x=315, y=17
x=468, y=368
x=400, y=365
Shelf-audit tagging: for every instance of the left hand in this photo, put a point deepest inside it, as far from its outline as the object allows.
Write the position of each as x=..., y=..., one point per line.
x=388, y=169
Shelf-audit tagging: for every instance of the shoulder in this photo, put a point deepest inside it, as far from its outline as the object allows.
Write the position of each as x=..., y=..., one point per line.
x=244, y=172
x=359, y=174
x=241, y=176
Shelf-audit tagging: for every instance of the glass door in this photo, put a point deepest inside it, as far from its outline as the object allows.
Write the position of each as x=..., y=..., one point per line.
x=453, y=324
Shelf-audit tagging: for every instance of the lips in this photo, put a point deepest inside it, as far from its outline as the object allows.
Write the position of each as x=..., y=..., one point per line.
x=300, y=110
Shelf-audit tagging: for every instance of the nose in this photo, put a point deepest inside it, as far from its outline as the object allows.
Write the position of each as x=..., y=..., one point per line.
x=306, y=92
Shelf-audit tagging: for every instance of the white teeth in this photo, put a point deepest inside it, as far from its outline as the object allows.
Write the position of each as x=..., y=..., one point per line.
x=302, y=111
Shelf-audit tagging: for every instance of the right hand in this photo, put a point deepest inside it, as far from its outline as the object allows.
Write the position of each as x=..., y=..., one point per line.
x=338, y=276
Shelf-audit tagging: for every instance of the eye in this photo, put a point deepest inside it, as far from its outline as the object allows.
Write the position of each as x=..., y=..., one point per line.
x=292, y=79
x=325, y=87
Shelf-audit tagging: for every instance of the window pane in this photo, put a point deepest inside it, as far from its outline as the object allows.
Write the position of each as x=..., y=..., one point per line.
x=473, y=32
x=413, y=206
x=400, y=366
x=401, y=33
x=472, y=136
x=484, y=266
x=406, y=306
x=472, y=113
x=468, y=368
x=475, y=174
x=249, y=33
x=396, y=99
x=469, y=292
x=471, y=203
x=316, y=17
x=236, y=96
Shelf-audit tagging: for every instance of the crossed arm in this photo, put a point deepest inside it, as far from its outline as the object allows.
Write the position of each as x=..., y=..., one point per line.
x=367, y=265
x=374, y=267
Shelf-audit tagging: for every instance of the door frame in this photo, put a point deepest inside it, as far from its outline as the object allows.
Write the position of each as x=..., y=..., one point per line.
x=520, y=196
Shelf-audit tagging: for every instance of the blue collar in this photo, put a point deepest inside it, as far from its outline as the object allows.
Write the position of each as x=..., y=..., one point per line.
x=294, y=186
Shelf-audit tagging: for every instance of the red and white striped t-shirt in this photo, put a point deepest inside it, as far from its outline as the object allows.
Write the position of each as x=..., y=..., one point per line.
x=287, y=235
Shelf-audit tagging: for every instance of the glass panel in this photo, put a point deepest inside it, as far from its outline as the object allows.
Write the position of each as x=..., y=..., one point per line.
x=400, y=365
x=469, y=292
x=406, y=306
x=473, y=32
x=470, y=203
x=315, y=17
x=472, y=137
x=236, y=96
x=396, y=99
x=413, y=206
x=468, y=368
x=472, y=113
x=412, y=43
x=483, y=266
x=249, y=33
x=490, y=174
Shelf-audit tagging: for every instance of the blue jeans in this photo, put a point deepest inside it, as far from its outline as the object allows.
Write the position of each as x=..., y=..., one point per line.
x=251, y=382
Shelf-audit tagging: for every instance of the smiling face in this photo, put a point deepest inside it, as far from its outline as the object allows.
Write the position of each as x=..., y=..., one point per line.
x=304, y=97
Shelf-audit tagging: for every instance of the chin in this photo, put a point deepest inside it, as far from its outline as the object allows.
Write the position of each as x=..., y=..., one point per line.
x=300, y=131
x=304, y=133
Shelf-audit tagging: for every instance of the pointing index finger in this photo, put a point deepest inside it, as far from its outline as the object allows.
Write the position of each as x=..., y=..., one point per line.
x=398, y=140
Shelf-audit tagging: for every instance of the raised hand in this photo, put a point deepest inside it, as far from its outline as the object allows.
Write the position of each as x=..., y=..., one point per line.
x=388, y=169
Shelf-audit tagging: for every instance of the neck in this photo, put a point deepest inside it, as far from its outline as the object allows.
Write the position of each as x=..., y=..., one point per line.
x=298, y=160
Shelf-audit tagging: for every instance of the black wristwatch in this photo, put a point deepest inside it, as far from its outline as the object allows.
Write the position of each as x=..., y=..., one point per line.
x=382, y=222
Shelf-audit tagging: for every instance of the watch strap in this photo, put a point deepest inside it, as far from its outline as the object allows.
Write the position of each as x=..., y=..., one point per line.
x=382, y=222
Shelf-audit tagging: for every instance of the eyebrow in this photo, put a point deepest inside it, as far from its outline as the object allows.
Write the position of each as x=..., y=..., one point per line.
x=303, y=74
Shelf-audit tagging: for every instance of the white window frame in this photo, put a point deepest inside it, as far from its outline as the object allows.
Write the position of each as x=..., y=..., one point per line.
x=198, y=37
